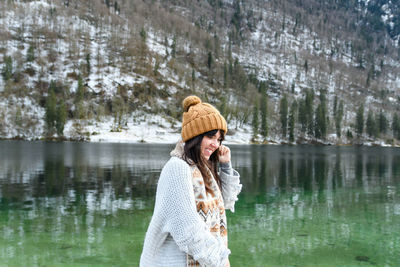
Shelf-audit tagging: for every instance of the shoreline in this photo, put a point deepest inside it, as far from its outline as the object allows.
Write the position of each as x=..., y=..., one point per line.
x=157, y=130
x=155, y=141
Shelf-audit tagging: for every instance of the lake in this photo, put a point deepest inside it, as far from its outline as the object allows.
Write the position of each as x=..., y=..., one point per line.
x=83, y=204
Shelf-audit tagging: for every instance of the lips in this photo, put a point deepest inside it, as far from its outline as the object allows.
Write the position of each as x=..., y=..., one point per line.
x=208, y=152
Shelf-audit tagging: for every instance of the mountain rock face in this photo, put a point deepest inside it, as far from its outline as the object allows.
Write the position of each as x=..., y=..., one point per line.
x=279, y=71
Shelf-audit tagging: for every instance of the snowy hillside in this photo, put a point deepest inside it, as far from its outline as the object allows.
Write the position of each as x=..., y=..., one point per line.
x=116, y=71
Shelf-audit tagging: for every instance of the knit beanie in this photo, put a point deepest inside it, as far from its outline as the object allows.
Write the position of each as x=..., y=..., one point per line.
x=199, y=117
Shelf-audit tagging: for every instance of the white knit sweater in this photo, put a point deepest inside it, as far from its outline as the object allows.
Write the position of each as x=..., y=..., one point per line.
x=176, y=229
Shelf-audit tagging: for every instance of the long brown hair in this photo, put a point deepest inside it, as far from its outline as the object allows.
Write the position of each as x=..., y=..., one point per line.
x=192, y=155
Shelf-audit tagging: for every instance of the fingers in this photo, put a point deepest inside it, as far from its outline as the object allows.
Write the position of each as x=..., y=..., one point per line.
x=224, y=154
x=223, y=150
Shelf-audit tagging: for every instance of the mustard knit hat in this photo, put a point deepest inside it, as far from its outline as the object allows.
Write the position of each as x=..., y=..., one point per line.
x=199, y=117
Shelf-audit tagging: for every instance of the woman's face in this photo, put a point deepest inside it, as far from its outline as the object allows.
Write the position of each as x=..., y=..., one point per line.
x=210, y=144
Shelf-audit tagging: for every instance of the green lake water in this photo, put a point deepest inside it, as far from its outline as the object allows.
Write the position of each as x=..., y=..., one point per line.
x=88, y=204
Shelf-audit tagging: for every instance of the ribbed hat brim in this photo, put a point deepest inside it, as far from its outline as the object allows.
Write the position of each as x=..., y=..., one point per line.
x=203, y=124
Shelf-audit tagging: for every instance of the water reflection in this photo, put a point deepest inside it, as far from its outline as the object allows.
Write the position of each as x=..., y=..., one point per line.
x=81, y=203
x=315, y=168
x=318, y=205
x=35, y=170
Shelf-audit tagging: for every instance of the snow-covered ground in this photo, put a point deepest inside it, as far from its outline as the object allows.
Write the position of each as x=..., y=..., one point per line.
x=149, y=129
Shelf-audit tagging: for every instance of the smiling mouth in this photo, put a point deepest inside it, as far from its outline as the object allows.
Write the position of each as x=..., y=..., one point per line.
x=209, y=151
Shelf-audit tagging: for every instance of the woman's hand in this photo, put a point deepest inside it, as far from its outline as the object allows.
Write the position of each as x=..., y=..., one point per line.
x=228, y=264
x=224, y=154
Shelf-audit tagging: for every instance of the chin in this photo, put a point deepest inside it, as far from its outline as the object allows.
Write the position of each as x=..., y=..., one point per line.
x=206, y=157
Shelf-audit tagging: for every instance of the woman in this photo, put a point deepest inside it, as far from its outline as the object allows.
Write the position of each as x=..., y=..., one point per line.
x=188, y=227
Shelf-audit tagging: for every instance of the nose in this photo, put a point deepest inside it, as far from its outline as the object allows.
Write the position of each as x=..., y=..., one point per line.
x=215, y=143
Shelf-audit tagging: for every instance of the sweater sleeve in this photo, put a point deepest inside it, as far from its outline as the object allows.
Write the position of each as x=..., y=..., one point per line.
x=188, y=230
x=230, y=183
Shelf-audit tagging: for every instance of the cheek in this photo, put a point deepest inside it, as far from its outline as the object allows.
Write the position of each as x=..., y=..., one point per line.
x=203, y=145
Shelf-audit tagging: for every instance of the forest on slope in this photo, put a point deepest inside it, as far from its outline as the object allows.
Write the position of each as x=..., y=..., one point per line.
x=293, y=71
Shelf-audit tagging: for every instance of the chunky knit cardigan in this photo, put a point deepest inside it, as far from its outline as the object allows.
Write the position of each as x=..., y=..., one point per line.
x=177, y=231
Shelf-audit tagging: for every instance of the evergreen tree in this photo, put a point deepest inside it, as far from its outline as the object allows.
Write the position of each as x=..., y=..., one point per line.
x=309, y=107
x=292, y=120
x=143, y=35
x=230, y=59
x=368, y=82
x=193, y=78
x=396, y=126
x=338, y=118
x=53, y=87
x=209, y=60
x=173, y=47
x=303, y=116
x=321, y=123
x=360, y=120
x=79, y=96
x=18, y=120
x=383, y=123
x=225, y=75
x=237, y=16
x=51, y=111
x=88, y=65
x=166, y=44
x=349, y=134
x=262, y=86
x=143, y=49
x=306, y=66
x=240, y=79
x=264, y=114
x=223, y=108
x=7, y=71
x=107, y=3
x=371, y=125
x=217, y=46
x=61, y=118
x=116, y=7
x=156, y=67
x=283, y=112
x=30, y=55
x=335, y=106
x=79, y=91
x=255, y=123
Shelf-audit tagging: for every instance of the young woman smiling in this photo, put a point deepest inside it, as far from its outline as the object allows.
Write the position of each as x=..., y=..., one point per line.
x=196, y=185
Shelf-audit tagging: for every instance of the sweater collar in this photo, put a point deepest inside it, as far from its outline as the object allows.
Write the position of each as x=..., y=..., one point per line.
x=178, y=152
